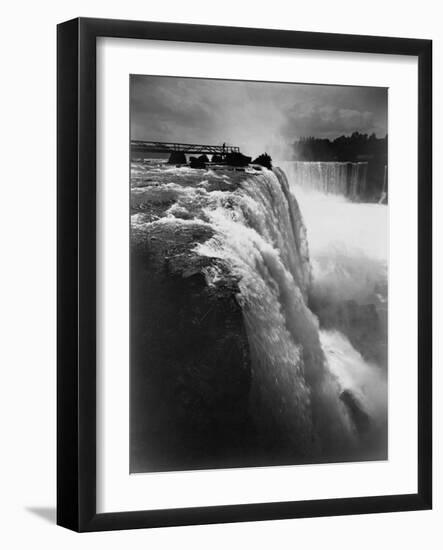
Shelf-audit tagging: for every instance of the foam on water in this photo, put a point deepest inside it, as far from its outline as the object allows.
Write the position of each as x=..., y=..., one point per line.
x=348, y=244
x=263, y=240
x=288, y=248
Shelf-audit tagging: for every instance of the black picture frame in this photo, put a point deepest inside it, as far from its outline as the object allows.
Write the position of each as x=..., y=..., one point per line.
x=76, y=266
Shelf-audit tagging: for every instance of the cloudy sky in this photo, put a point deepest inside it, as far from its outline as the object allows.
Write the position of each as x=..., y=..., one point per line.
x=256, y=116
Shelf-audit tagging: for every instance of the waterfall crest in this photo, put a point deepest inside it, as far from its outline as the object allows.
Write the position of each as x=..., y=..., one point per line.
x=262, y=239
x=248, y=227
x=347, y=179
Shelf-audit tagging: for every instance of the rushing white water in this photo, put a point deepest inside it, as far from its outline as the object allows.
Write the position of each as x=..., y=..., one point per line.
x=295, y=396
x=348, y=245
x=313, y=393
x=338, y=178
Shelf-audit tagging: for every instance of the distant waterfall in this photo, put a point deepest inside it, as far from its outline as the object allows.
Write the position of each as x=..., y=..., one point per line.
x=338, y=178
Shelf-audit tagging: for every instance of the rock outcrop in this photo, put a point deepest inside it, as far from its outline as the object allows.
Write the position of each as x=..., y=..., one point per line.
x=198, y=162
x=177, y=157
x=190, y=364
x=263, y=160
x=237, y=159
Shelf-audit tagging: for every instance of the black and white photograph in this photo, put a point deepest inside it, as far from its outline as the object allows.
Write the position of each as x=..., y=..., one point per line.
x=258, y=273
x=220, y=284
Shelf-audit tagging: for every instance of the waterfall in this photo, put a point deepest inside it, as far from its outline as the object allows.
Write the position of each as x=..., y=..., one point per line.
x=312, y=285
x=337, y=178
x=348, y=243
x=262, y=238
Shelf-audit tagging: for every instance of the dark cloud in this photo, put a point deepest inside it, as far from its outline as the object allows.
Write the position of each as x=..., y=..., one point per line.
x=257, y=116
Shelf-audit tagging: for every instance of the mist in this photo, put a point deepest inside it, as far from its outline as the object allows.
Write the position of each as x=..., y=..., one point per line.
x=257, y=118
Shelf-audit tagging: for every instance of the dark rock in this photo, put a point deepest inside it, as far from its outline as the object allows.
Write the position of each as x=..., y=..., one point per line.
x=237, y=159
x=359, y=416
x=263, y=160
x=190, y=362
x=198, y=162
x=177, y=157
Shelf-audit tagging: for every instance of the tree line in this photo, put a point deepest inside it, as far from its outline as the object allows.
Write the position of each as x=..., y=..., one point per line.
x=354, y=148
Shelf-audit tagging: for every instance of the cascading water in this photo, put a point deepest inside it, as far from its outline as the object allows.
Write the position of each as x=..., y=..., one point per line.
x=314, y=394
x=338, y=178
x=349, y=294
x=263, y=240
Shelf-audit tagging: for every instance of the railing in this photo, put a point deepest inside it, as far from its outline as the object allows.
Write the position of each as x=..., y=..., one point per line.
x=138, y=146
